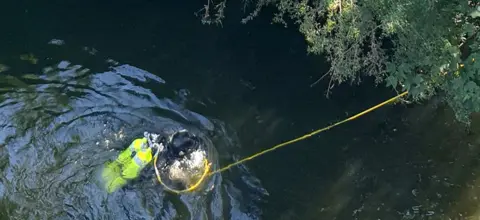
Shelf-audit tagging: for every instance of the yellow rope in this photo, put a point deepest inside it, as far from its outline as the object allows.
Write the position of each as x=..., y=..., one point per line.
x=206, y=173
x=307, y=135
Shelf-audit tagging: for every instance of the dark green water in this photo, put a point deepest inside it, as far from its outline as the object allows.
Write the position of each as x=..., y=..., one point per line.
x=125, y=66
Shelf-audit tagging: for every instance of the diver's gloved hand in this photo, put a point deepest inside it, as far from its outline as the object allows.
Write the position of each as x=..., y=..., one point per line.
x=155, y=140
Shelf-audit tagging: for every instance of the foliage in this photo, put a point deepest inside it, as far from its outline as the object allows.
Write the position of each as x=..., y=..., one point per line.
x=427, y=47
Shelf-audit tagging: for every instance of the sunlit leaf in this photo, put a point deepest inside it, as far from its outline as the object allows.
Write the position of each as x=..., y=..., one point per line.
x=475, y=14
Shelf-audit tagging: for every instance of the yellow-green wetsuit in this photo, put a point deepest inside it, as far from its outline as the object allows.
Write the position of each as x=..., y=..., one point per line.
x=125, y=167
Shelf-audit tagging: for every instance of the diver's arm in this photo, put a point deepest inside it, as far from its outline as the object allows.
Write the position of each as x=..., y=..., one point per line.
x=124, y=156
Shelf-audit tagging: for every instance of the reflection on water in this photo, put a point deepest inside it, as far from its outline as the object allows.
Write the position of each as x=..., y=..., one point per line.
x=62, y=122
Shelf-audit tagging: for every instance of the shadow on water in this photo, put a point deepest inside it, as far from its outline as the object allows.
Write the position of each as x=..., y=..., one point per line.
x=63, y=121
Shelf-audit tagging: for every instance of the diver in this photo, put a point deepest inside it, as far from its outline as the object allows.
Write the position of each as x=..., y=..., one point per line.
x=181, y=159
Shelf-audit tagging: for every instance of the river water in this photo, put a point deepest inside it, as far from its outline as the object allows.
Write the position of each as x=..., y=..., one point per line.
x=80, y=80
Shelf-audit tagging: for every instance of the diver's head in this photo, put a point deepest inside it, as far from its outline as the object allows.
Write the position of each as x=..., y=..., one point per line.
x=183, y=159
x=182, y=144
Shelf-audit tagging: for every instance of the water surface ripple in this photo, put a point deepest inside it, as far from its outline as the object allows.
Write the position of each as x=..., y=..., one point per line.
x=62, y=123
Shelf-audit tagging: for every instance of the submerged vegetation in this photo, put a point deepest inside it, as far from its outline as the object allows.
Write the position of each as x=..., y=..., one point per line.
x=425, y=47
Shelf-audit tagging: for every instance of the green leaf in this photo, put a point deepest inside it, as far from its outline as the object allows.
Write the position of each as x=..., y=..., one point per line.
x=391, y=68
x=407, y=86
x=469, y=29
x=418, y=79
x=471, y=86
x=415, y=91
x=403, y=68
x=392, y=81
x=475, y=14
x=457, y=83
x=453, y=50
